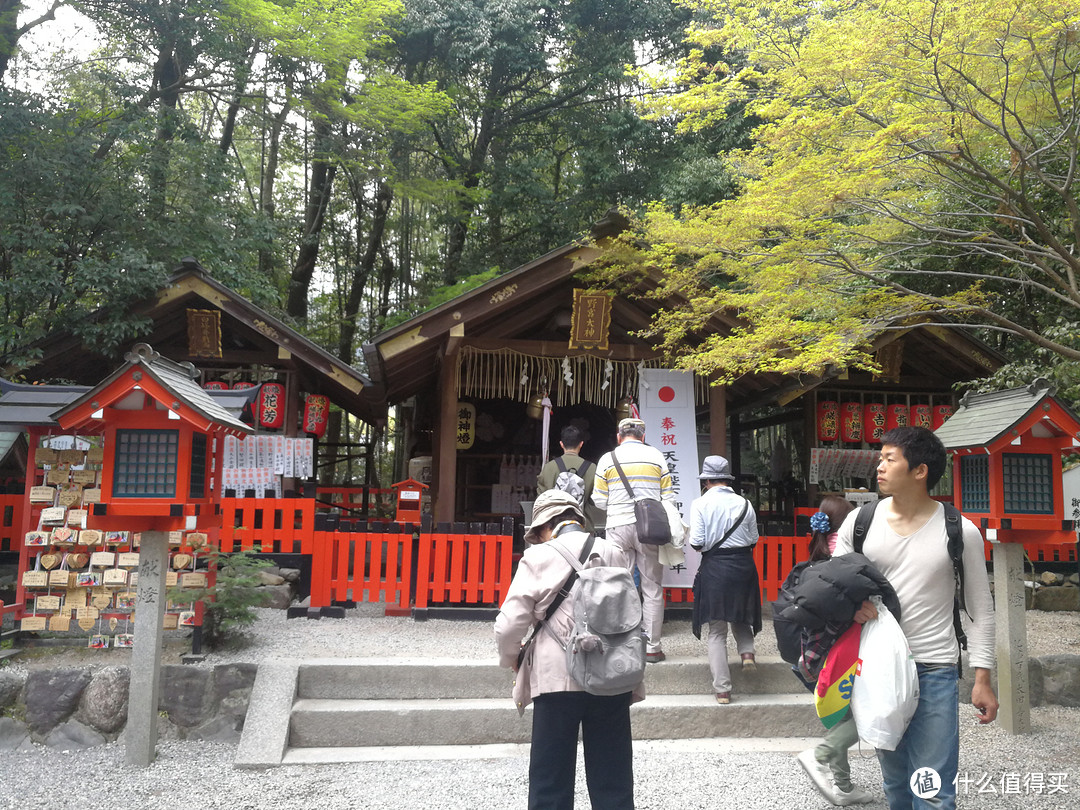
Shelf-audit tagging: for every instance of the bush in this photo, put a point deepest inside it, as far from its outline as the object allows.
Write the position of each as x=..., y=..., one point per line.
x=229, y=604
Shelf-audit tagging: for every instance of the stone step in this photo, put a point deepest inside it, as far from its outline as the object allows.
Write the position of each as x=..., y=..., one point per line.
x=417, y=679
x=321, y=723
x=406, y=753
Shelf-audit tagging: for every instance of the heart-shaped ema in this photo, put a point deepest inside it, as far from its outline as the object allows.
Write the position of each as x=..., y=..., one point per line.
x=87, y=623
x=101, y=601
x=78, y=560
x=50, y=561
x=63, y=536
x=181, y=561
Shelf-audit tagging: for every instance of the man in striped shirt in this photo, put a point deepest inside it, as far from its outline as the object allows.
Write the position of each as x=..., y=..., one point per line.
x=648, y=475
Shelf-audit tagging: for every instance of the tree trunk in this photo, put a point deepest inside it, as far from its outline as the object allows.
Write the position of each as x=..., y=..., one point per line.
x=322, y=183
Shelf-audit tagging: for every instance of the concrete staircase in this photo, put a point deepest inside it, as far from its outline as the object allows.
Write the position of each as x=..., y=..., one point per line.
x=344, y=710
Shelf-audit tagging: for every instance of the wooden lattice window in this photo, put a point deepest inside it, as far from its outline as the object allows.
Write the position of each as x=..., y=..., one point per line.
x=145, y=465
x=1029, y=488
x=197, y=480
x=975, y=483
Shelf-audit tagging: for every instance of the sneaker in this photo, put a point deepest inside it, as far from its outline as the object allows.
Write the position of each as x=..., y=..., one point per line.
x=748, y=663
x=856, y=795
x=655, y=657
x=819, y=774
x=723, y=698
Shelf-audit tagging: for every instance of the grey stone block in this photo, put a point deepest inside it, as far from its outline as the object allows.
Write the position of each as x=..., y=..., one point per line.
x=1061, y=679
x=216, y=729
x=12, y=734
x=73, y=735
x=104, y=704
x=10, y=687
x=52, y=696
x=1035, y=677
x=1061, y=597
x=231, y=680
x=185, y=695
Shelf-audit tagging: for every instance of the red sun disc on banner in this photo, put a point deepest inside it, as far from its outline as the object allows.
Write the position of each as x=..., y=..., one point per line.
x=666, y=394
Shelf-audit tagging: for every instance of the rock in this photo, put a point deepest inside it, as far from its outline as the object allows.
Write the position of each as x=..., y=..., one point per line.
x=1035, y=679
x=236, y=707
x=185, y=695
x=290, y=574
x=233, y=681
x=73, y=735
x=278, y=596
x=52, y=696
x=10, y=687
x=1050, y=578
x=1074, y=579
x=266, y=578
x=1064, y=597
x=12, y=734
x=1061, y=679
x=217, y=729
x=104, y=704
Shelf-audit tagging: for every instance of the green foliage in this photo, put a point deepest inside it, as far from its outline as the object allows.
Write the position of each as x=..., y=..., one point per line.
x=229, y=604
x=912, y=161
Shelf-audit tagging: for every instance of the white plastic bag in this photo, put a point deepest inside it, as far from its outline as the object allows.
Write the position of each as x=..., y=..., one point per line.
x=886, y=690
x=679, y=529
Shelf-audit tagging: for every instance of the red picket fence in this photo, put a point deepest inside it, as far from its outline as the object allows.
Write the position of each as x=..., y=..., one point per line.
x=464, y=564
x=279, y=525
x=360, y=562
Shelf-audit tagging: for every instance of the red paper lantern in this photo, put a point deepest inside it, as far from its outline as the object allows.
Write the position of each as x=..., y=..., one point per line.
x=239, y=385
x=920, y=416
x=216, y=385
x=828, y=420
x=851, y=427
x=941, y=413
x=874, y=422
x=316, y=414
x=270, y=405
x=896, y=416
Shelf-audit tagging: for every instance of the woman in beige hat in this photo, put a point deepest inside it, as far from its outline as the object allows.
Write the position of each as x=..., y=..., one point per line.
x=560, y=707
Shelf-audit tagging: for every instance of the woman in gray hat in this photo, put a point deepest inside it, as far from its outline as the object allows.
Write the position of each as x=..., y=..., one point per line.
x=723, y=527
x=560, y=707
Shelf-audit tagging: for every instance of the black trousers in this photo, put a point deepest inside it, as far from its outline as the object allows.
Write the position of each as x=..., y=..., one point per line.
x=605, y=734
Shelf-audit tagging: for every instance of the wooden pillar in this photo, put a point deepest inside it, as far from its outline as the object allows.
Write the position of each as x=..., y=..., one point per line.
x=718, y=420
x=1013, y=685
x=444, y=445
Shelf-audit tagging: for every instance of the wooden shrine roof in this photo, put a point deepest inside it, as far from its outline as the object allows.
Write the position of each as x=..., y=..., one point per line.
x=249, y=336
x=529, y=309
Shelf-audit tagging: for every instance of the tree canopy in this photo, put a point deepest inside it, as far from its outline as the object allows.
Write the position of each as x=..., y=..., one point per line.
x=916, y=161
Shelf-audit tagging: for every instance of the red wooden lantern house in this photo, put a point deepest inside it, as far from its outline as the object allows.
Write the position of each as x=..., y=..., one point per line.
x=270, y=406
x=1007, y=450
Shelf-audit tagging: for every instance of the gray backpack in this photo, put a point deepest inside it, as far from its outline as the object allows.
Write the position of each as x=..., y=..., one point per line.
x=572, y=481
x=605, y=653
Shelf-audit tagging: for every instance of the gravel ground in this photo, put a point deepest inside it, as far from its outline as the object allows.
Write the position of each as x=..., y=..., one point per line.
x=998, y=770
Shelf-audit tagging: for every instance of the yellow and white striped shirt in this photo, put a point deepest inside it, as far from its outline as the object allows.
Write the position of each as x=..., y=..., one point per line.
x=647, y=472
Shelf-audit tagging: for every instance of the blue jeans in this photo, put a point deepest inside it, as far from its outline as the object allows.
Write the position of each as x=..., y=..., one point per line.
x=932, y=740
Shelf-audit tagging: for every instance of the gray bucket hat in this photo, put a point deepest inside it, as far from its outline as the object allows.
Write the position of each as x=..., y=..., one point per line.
x=715, y=468
x=548, y=505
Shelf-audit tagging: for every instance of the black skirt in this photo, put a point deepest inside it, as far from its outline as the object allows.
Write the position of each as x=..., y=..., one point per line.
x=726, y=589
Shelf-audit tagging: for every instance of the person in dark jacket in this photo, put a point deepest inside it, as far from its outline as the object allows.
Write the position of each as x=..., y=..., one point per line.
x=827, y=763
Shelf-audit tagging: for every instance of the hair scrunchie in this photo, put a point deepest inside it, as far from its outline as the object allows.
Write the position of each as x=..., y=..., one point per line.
x=819, y=522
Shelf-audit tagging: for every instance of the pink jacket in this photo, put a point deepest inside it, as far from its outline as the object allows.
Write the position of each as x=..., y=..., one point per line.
x=540, y=574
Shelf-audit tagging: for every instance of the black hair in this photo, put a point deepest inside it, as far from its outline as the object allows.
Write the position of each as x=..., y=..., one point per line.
x=919, y=446
x=836, y=509
x=570, y=436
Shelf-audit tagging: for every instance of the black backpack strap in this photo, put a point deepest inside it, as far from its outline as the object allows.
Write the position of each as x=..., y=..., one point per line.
x=734, y=526
x=954, y=529
x=560, y=464
x=564, y=592
x=584, y=469
x=862, y=525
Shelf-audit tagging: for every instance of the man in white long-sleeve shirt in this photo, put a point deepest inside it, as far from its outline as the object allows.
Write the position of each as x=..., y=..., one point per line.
x=908, y=543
